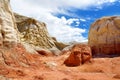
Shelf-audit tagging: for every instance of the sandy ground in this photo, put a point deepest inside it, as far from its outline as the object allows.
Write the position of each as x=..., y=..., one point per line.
x=52, y=68
x=17, y=64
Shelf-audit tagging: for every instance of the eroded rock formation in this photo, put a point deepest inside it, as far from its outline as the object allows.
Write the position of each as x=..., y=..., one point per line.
x=34, y=32
x=104, y=36
x=8, y=30
x=79, y=54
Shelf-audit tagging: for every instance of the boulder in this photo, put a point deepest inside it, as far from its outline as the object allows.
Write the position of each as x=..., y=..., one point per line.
x=79, y=54
x=104, y=36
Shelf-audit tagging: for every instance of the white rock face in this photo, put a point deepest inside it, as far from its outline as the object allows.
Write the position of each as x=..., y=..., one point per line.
x=34, y=32
x=8, y=32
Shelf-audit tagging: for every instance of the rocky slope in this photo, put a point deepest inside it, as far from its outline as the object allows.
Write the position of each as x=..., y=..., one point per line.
x=104, y=35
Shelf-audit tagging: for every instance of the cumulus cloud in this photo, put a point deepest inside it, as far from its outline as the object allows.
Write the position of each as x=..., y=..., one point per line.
x=61, y=28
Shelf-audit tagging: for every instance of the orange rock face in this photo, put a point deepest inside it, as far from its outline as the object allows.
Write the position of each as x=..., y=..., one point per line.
x=104, y=36
x=80, y=53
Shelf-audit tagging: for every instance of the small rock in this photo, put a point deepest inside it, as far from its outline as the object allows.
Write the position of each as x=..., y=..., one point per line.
x=51, y=64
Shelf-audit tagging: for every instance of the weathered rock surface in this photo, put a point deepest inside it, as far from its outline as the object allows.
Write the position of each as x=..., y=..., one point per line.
x=80, y=53
x=34, y=32
x=104, y=36
x=8, y=30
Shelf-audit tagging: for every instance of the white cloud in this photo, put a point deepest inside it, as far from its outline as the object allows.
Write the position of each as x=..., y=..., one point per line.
x=61, y=28
x=69, y=21
x=82, y=20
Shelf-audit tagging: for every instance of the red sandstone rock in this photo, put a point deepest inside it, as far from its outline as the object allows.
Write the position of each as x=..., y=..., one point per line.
x=80, y=53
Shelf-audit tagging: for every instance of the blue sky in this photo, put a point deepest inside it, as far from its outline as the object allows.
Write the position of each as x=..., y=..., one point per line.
x=67, y=20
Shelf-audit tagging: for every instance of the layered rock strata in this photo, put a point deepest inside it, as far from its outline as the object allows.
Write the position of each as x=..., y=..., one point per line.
x=104, y=36
x=8, y=30
x=34, y=32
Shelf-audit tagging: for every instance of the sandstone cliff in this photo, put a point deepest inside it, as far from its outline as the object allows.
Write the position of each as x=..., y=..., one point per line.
x=104, y=35
x=34, y=32
x=8, y=30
